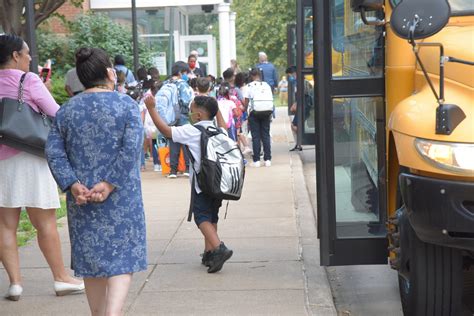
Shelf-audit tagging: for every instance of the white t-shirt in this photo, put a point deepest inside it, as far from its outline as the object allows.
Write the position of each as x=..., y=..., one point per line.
x=72, y=80
x=191, y=136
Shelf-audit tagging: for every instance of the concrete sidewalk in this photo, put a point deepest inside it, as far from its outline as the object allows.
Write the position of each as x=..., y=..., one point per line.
x=274, y=271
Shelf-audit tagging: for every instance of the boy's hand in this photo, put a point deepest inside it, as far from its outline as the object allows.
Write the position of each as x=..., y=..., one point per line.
x=150, y=102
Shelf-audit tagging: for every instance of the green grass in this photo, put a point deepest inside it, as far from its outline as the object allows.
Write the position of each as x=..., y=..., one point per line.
x=26, y=231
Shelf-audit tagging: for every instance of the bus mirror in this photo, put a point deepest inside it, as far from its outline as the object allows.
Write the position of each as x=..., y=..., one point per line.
x=363, y=6
x=417, y=19
x=367, y=5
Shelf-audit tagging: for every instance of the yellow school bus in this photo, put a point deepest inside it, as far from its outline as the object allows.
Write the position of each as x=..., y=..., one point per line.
x=394, y=135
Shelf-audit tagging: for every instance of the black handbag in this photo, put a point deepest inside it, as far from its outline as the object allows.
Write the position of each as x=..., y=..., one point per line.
x=21, y=127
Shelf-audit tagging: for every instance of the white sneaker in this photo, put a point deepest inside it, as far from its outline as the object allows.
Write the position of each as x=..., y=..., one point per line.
x=157, y=168
x=268, y=163
x=172, y=176
x=14, y=292
x=255, y=164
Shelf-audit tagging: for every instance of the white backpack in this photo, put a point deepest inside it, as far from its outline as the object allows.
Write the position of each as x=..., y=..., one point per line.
x=261, y=104
x=222, y=165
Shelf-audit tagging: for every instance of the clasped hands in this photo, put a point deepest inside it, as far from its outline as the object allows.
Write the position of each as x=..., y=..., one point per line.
x=99, y=192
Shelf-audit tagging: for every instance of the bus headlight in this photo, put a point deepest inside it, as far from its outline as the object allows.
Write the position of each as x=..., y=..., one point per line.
x=457, y=157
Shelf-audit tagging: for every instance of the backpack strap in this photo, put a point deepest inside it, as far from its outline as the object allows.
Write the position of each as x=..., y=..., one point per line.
x=203, y=130
x=193, y=195
x=193, y=182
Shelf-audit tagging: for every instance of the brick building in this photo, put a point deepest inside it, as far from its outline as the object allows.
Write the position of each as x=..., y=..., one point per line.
x=69, y=12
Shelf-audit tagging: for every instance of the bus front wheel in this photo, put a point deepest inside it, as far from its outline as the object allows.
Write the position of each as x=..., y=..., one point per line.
x=429, y=276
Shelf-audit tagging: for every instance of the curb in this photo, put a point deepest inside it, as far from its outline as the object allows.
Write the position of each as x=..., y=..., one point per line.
x=318, y=295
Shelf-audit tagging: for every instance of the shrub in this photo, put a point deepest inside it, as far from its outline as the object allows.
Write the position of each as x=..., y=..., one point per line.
x=57, y=90
x=57, y=48
x=98, y=30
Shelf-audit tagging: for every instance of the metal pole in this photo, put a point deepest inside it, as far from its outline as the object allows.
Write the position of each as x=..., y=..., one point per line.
x=136, y=61
x=300, y=100
x=31, y=35
x=171, y=41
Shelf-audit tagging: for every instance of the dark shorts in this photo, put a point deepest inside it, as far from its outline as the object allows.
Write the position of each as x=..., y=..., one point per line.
x=205, y=208
x=295, y=121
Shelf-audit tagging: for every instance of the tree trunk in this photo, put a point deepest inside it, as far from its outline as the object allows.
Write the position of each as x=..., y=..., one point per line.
x=12, y=17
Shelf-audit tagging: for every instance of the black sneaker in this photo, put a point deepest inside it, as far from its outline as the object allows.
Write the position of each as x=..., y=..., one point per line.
x=206, y=257
x=218, y=257
x=173, y=174
x=186, y=172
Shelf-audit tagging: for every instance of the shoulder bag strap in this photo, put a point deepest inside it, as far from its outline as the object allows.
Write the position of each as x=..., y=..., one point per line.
x=21, y=89
x=21, y=101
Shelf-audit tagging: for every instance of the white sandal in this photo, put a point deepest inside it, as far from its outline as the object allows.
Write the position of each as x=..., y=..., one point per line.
x=63, y=288
x=14, y=292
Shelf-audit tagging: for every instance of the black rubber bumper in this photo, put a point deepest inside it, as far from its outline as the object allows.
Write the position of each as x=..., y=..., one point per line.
x=440, y=211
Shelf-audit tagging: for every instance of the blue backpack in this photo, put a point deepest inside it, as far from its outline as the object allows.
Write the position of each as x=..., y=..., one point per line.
x=169, y=103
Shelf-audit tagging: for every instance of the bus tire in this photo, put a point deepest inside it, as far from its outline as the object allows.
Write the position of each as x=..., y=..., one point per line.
x=430, y=277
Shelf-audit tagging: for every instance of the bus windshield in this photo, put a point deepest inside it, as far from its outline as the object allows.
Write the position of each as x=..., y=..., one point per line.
x=458, y=7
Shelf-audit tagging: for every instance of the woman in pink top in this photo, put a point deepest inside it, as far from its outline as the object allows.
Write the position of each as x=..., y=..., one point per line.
x=25, y=179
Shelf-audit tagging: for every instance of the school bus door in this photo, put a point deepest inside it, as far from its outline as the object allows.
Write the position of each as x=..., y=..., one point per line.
x=350, y=135
x=304, y=69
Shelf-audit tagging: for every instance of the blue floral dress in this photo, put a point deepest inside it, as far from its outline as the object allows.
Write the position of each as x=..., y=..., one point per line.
x=98, y=137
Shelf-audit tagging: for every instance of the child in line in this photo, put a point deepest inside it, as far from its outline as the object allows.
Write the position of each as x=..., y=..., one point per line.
x=203, y=86
x=152, y=136
x=204, y=207
x=227, y=107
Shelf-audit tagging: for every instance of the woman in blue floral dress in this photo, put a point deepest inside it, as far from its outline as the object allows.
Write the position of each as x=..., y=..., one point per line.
x=93, y=151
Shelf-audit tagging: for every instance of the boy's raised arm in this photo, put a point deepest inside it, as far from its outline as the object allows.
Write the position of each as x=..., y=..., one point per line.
x=159, y=122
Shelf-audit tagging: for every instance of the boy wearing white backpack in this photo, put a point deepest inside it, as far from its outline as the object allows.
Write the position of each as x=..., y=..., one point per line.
x=204, y=207
x=258, y=98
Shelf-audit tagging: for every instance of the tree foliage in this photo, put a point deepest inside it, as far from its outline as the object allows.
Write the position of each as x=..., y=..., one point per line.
x=12, y=15
x=261, y=26
x=93, y=30
x=98, y=30
x=203, y=24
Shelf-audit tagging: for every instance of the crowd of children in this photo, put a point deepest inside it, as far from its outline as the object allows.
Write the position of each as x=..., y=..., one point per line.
x=227, y=90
